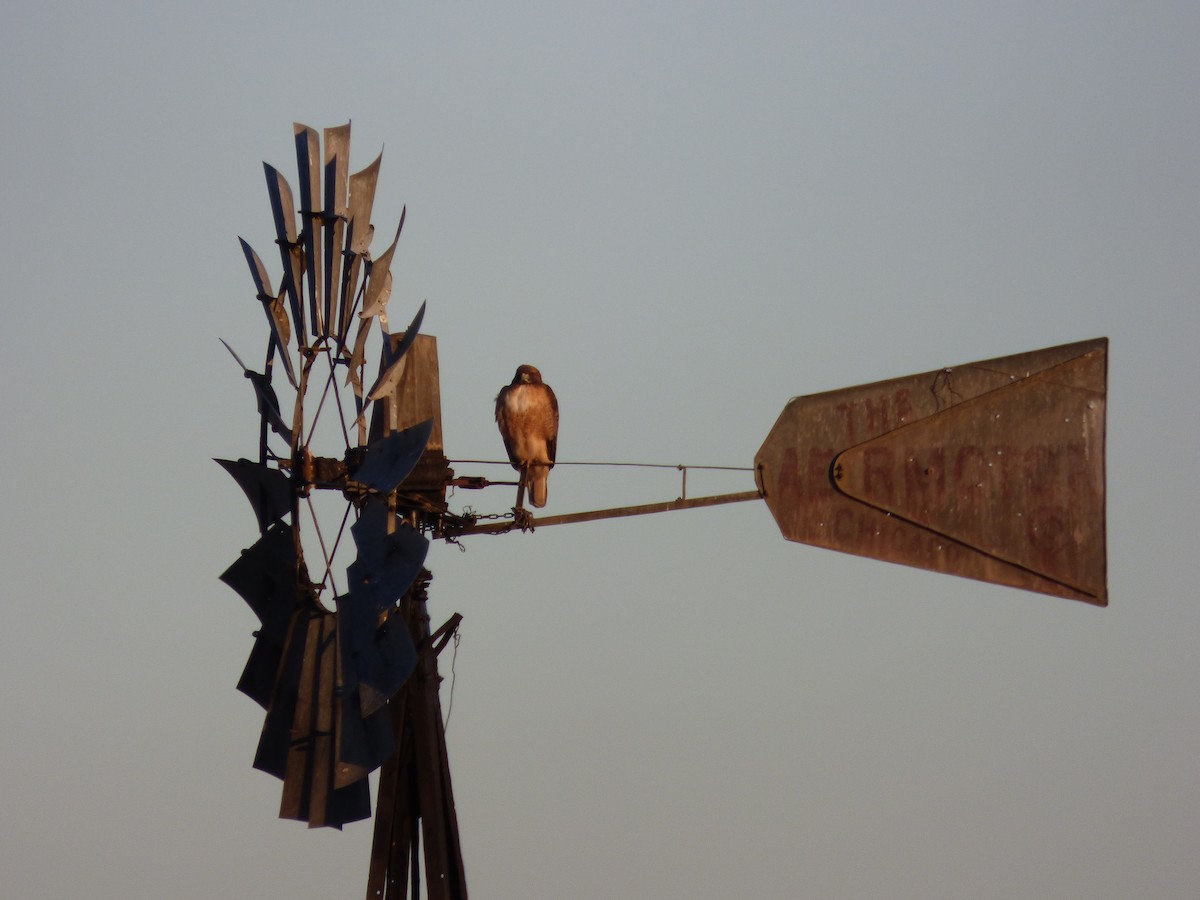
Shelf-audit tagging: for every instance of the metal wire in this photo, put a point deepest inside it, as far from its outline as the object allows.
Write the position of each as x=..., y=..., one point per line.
x=453, y=676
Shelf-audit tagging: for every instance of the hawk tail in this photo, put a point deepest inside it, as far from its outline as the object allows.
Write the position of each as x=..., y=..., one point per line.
x=539, y=477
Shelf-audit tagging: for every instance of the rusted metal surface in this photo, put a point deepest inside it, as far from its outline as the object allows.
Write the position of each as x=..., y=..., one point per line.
x=992, y=470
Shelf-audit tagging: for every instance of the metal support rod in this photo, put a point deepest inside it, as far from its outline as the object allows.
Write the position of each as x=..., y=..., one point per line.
x=617, y=512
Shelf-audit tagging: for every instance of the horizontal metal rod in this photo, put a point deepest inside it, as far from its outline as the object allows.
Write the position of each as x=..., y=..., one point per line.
x=637, y=465
x=617, y=512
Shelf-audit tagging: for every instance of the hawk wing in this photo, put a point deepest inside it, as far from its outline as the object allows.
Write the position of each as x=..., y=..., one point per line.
x=504, y=420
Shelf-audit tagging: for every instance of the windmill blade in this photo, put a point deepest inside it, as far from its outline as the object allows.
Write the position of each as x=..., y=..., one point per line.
x=363, y=741
x=366, y=740
x=388, y=665
x=337, y=157
x=362, y=201
x=393, y=359
x=269, y=406
x=292, y=673
x=268, y=402
x=233, y=353
x=268, y=490
x=308, y=776
x=262, y=666
x=358, y=356
x=272, y=754
x=377, y=653
x=359, y=233
x=281, y=330
x=389, y=459
x=349, y=803
x=375, y=302
x=265, y=577
x=283, y=212
x=308, y=162
x=262, y=283
x=349, y=292
x=387, y=564
x=299, y=770
x=276, y=317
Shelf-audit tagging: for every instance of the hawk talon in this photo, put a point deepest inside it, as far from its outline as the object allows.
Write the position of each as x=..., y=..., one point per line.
x=523, y=518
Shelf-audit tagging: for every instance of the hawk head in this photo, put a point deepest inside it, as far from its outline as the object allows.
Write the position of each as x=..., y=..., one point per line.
x=527, y=375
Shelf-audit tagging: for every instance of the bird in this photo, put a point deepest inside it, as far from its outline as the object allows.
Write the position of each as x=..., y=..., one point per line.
x=527, y=414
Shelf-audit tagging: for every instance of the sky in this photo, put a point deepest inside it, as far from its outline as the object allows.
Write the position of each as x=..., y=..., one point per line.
x=684, y=215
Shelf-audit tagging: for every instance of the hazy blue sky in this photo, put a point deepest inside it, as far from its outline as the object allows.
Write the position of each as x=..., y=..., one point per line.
x=683, y=214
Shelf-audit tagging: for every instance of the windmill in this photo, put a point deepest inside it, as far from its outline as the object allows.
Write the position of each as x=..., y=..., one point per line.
x=991, y=470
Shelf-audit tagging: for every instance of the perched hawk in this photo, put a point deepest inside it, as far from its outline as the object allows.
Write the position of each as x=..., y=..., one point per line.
x=527, y=413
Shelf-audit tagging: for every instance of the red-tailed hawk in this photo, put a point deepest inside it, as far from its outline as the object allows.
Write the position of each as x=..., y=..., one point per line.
x=527, y=413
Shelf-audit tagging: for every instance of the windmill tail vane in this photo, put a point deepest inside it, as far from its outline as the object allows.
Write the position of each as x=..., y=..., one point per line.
x=992, y=470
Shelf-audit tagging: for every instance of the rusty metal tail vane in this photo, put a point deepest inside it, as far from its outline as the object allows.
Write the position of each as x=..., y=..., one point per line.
x=992, y=470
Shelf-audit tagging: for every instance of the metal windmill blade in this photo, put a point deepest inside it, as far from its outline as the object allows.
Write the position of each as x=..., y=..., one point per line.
x=283, y=212
x=389, y=459
x=265, y=577
x=337, y=167
x=268, y=490
x=308, y=162
x=359, y=233
x=268, y=401
x=375, y=299
x=375, y=302
x=389, y=371
x=377, y=655
x=277, y=319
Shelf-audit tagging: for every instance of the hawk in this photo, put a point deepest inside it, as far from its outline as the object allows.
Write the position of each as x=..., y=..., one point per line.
x=527, y=413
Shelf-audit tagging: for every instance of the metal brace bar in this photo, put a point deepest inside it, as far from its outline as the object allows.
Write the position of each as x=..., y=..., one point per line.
x=616, y=512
